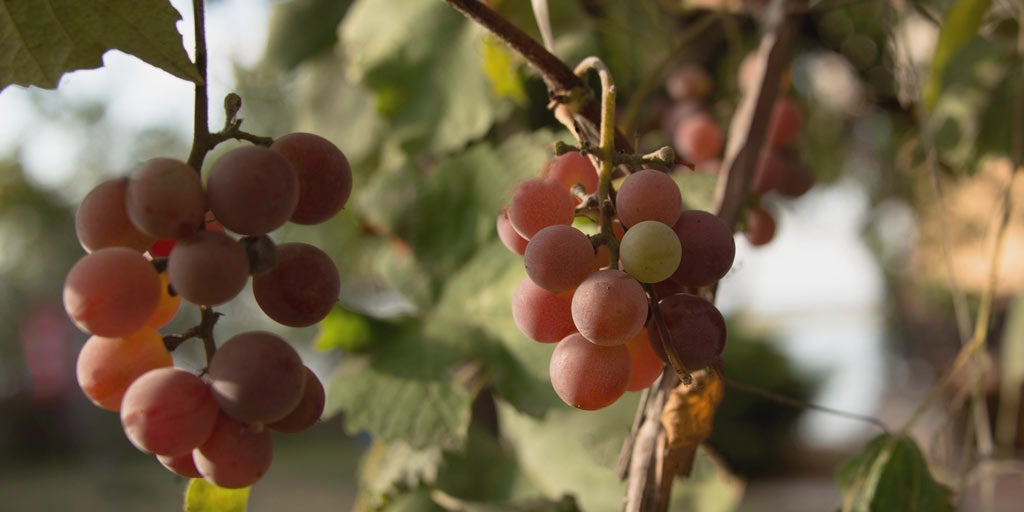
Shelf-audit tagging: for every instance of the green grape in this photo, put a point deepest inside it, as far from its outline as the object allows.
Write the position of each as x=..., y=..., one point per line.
x=650, y=251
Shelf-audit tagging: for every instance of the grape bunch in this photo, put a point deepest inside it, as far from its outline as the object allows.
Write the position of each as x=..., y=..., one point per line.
x=159, y=237
x=600, y=314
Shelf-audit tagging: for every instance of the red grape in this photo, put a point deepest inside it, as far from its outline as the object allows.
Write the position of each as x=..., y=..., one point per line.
x=609, y=307
x=698, y=138
x=770, y=171
x=543, y=316
x=558, y=258
x=787, y=121
x=107, y=366
x=235, y=455
x=539, y=203
x=588, y=376
x=111, y=292
x=796, y=181
x=645, y=363
x=165, y=198
x=708, y=248
x=252, y=190
x=183, y=465
x=573, y=168
x=308, y=412
x=101, y=220
x=208, y=268
x=760, y=226
x=301, y=289
x=257, y=377
x=323, y=172
x=648, y=195
x=695, y=327
x=168, y=411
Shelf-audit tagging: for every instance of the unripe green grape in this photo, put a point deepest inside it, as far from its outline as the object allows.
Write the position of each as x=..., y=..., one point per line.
x=650, y=251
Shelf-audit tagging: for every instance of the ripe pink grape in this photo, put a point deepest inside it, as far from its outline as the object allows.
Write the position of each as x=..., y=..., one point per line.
x=508, y=235
x=165, y=198
x=573, y=168
x=648, y=195
x=324, y=174
x=689, y=82
x=107, y=366
x=588, y=376
x=650, y=251
x=760, y=226
x=235, y=455
x=257, y=377
x=787, y=121
x=538, y=203
x=168, y=411
x=111, y=292
x=695, y=328
x=309, y=410
x=183, y=465
x=252, y=190
x=543, y=316
x=645, y=363
x=708, y=248
x=301, y=289
x=101, y=220
x=208, y=268
x=698, y=138
x=609, y=307
x=558, y=258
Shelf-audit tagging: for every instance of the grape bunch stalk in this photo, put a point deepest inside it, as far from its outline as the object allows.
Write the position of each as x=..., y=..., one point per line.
x=158, y=237
x=622, y=306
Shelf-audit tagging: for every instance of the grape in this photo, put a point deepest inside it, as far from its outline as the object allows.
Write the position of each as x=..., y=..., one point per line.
x=648, y=195
x=689, y=82
x=539, y=203
x=787, y=121
x=162, y=248
x=588, y=376
x=708, y=248
x=183, y=465
x=508, y=235
x=168, y=305
x=558, y=258
x=165, y=198
x=111, y=292
x=650, y=251
x=107, y=366
x=760, y=226
x=323, y=172
x=796, y=180
x=101, y=220
x=695, y=327
x=301, y=289
x=257, y=377
x=168, y=411
x=573, y=168
x=698, y=138
x=543, y=316
x=308, y=412
x=252, y=190
x=208, y=268
x=770, y=171
x=645, y=363
x=609, y=307
x=235, y=455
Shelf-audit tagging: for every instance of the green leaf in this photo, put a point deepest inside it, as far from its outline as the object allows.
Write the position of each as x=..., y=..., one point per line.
x=960, y=26
x=710, y=487
x=345, y=330
x=300, y=29
x=202, y=496
x=41, y=40
x=501, y=67
x=891, y=474
x=388, y=467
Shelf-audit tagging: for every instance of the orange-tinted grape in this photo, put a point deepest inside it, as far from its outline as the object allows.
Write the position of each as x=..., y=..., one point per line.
x=558, y=258
x=542, y=315
x=588, y=376
x=111, y=292
x=573, y=168
x=308, y=412
x=645, y=363
x=252, y=190
x=609, y=307
x=208, y=268
x=107, y=366
x=168, y=306
x=648, y=195
x=235, y=455
x=323, y=172
x=257, y=377
x=168, y=411
x=301, y=289
x=165, y=198
x=101, y=220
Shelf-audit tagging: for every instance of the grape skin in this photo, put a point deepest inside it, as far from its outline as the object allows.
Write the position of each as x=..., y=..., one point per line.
x=101, y=220
x=708, y=248
x=323, y=172
x=168, y=411
x=208, y=268
x=107, y=366
x=252, y=190
x=301, y=289
x=543, y=316
x=167, y=307
x=650, y=251
x=695, y=327
x=257, y=377
x=760, y=226
x=558, y=258
x=508, y=235
x=588, y=376
x=699, y=138
x=183, y=465
x=165, y=198
x=538, y=203
x=309, y=410
x=573, y=168
x=609, y=307
x=111, y=292
x=235, y=455
x=648, y=195
x=645, y=363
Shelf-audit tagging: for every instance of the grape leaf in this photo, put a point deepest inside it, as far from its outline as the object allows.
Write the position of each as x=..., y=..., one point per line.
x=959, y=26
x=42, y=40
x=300, y=29
x=388, y=467
x=202, y=496
x=891, y=474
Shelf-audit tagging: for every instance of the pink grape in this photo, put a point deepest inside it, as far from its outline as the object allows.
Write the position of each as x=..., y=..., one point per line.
x=168, y=411
x=760, y=226
x=538, y=203
x=252, y=190
x=101, y=220
x=699, y=138
x=235, y=455
x=257, y=377
x=309, y=410
x=182, y=465
x=573, y=168
x=165, y=198
x=542, y=315
x=609, y=307
x=648, y=195
x=508, y=235
x=588, y=376
x=787, y=121
x=111, y=292
x=323, y=172
x=695, y=327
x=208, y=268
x=558, y=258
x=645, y=363
x=689, y=82
x=708, y=248
x=301, y=289
x=107, y=366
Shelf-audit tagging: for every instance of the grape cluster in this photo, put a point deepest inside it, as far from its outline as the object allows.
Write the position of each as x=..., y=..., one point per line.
x=608, y=342
x=159, y=236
